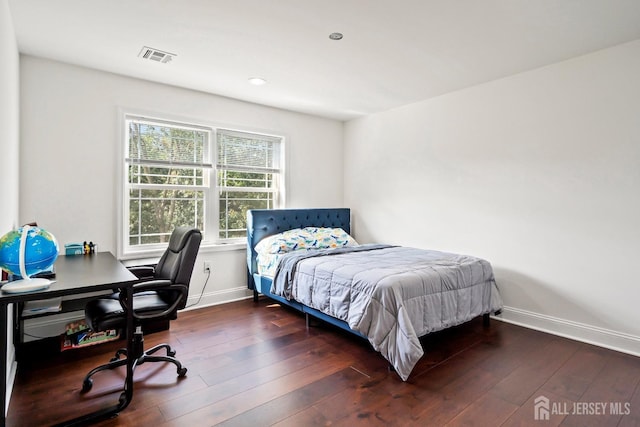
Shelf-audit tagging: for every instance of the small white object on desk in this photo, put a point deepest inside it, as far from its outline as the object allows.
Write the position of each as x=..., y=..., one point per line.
x=26, y=285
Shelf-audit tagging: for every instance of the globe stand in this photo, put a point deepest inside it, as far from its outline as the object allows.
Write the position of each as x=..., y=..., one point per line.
x=26, y=285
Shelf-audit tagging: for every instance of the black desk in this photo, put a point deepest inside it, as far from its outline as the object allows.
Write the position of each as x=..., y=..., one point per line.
x=76, y=275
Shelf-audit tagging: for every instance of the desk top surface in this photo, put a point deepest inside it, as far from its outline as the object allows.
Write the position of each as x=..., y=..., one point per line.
x=80, y=273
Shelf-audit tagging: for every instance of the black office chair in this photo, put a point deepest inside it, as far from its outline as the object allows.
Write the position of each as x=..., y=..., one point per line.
x=162, y=291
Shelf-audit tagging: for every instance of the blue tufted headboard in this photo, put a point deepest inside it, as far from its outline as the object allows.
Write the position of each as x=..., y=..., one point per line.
x=265, y=222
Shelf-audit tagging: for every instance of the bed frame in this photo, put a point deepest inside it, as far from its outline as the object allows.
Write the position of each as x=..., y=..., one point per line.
x=266, y=222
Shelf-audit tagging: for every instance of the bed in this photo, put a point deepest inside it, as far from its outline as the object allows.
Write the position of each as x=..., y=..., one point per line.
x=389, y=295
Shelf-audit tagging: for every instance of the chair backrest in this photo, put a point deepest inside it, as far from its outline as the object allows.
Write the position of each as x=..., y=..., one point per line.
x=176, y=264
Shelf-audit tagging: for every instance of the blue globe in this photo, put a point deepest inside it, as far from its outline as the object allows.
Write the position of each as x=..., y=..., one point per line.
x=41, y=251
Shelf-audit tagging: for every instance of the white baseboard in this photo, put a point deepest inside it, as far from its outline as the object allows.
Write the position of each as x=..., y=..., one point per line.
x=589, y=334
x=218, y=297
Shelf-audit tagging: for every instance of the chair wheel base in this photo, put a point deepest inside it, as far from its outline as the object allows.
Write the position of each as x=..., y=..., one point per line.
x=86, y=385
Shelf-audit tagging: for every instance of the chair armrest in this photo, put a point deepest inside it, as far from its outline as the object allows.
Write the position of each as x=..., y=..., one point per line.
x=143, y=271
x=152, y=285
x=156, y=285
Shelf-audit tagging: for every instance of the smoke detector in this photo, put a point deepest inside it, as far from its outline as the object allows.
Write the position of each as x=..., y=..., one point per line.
x=156, y=55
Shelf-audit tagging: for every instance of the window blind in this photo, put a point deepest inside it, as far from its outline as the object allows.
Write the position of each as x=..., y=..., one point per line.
x=247, y=152
x=157, y=143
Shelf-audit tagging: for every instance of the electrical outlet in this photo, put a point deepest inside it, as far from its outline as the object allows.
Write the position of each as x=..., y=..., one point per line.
x=207, y=266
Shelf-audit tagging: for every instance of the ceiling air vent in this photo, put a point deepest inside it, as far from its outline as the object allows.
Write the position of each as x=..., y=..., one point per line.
x=156, y=55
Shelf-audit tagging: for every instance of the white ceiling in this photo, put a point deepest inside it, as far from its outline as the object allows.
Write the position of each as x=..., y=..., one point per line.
x=393, y=53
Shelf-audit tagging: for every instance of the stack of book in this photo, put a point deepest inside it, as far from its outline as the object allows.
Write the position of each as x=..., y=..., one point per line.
x=78, y=334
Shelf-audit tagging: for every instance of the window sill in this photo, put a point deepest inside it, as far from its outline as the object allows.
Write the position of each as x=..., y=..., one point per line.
x=152, y=256
x=221, y=247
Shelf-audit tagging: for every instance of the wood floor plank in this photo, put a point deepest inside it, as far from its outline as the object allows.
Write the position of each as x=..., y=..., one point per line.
x=354, y=401
x=309, y=417
x=295, y=401
x=457, y=395
x=246, y=365
x=485, y=411
x=226, y=408
x=246, y=382
x=525, y=414
x=612, y=388
x=577, y=373
x=542, y=363
x=633, y=418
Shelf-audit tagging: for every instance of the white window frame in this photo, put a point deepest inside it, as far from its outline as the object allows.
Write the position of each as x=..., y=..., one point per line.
x=277, y=170
x=211, y=199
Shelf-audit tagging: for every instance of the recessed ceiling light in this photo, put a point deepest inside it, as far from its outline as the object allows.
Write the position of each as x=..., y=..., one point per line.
x=336, y=36
x=257, y=81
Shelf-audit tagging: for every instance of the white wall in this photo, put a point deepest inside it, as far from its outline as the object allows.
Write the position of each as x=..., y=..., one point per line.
x=9, y=125
x=70, y=144
x=9, y=121
x=539, y=173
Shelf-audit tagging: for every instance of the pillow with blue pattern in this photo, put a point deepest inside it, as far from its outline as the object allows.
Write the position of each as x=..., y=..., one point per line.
x=306, y=238
x=281, y=243
x=328, y=238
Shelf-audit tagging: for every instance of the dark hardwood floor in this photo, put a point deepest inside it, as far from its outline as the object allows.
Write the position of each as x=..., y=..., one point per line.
x=257, y=364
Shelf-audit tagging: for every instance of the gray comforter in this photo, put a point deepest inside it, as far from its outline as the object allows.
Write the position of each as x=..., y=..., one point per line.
x=392, y=295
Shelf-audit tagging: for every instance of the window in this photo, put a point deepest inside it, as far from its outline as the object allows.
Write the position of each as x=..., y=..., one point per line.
x=248, y=177
x=169, y=181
